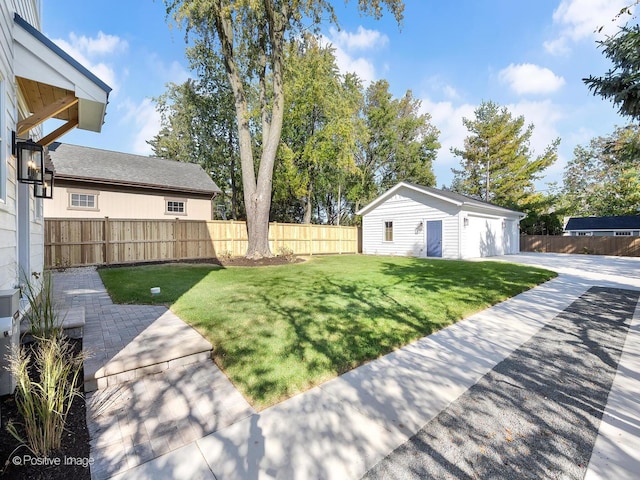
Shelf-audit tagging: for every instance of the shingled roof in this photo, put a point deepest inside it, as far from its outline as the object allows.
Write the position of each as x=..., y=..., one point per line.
x=446, y=195
x=629, y=222
x=72, y=162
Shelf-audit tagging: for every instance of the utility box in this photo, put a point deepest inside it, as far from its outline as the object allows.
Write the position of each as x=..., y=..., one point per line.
x=9, y=302
x=9, y=338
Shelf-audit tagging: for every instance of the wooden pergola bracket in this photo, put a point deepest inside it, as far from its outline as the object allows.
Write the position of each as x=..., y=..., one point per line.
x=57, y=133
x=46, y=113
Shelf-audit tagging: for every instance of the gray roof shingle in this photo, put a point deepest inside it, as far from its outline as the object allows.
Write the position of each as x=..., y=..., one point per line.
x=105, y=166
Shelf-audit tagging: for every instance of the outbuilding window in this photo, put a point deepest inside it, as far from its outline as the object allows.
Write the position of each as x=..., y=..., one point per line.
x=176, y=206
x=83, y=201
x=388, y=231
x=623, y=234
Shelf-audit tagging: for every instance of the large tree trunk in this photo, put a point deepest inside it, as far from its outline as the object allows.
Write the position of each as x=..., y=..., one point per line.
x=257, y=190
x=308, y=206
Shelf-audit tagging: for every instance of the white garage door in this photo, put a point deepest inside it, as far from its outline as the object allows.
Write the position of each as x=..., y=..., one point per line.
x=483, y=237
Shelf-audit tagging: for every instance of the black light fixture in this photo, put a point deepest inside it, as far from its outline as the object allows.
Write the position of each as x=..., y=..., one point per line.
x=45, y=190
x=30, y=162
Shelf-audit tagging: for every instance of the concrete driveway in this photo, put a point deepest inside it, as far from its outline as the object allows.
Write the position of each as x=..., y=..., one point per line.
x=344, y=427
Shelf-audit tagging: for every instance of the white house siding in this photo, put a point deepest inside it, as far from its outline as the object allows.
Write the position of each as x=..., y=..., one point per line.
x=9, y=270
x=125, y=205
x=406, y=210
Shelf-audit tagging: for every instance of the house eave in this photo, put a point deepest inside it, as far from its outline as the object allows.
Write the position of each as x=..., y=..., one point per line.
x=120, y=183
x=44, y=66
x=462, y=205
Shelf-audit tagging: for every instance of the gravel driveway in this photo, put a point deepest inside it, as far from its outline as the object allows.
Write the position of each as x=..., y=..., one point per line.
x=537, y=413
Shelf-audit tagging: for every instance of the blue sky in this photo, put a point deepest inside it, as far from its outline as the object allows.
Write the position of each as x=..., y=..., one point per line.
x=528, y=55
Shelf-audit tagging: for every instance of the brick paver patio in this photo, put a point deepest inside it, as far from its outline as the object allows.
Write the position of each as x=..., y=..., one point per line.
x=156, y=387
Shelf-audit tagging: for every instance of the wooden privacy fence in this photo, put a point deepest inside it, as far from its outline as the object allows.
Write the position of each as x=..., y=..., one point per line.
x=77, y=242
x=619, y=246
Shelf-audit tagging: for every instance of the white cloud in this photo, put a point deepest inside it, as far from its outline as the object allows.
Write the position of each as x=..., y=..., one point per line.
x=145, y=122
x=346, y=46
x=84, y=50
x=450, y=92
x=362, y=39
x=579, y=19
x=529, y=78
x=447, y=117
x=103, y=44
x=173, y=72
x=438, y=86
x=361, y=66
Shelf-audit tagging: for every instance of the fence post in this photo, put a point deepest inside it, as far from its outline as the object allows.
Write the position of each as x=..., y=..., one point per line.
x=105, y=241
x=274, y=226
x=232, y=239
x=176, y=235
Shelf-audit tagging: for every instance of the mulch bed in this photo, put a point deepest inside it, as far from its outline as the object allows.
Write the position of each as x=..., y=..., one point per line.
x=262, y=262
x=22, y=464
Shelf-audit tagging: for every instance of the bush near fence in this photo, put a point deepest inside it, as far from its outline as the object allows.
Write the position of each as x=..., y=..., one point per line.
x=622, y=246
x=80, y=242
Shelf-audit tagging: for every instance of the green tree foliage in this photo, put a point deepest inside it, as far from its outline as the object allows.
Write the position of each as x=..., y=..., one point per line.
x=250, y=37
x=498, y=165
x=621, y=84
x=198, y=125
x=400, y=144
x=544, y=217
x=319, y=133
x=603, y=178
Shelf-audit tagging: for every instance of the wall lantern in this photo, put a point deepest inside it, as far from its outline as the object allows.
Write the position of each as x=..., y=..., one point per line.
x=466, y=221
x=45, y=190
x=30, y=162
x=420, y=227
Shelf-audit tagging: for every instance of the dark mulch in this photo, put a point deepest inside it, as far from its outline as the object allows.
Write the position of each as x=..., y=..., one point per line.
x=262, y=262
x=22, y=464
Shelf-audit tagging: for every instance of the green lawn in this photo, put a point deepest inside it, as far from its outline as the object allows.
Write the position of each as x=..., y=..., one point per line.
x=279, y=330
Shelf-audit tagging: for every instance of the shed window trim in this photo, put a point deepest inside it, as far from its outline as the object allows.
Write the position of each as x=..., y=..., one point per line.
x=83, y=200
x=175, y=206
x=387, y=231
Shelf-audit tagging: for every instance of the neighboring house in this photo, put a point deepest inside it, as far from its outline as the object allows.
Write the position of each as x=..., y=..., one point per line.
x=38, y=81
x=412, y=220
x=622, y=226
x=91, y=183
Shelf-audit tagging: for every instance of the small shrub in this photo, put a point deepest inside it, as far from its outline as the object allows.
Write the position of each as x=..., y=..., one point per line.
x=225, y=255
x=286, y=253
x=42, y=315
x=586, y=251
x=45, y=390
x=61, y=265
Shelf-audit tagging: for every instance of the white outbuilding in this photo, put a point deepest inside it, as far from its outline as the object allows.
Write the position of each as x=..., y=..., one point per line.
x=412, y=220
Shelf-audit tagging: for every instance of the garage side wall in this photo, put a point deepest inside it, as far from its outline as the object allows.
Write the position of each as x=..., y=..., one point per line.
x=407, y=209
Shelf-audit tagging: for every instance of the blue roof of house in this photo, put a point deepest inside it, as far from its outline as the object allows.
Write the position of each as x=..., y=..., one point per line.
x=604, y=223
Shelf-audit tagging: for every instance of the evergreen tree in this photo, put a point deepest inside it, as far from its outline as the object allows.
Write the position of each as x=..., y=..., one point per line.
x=497, y=163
